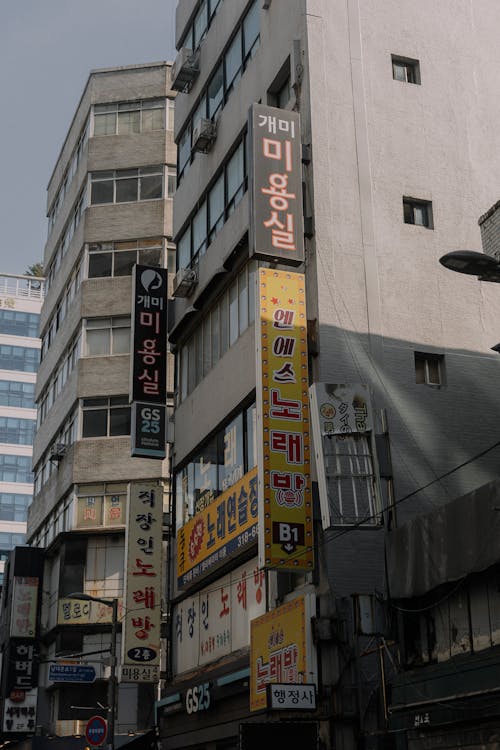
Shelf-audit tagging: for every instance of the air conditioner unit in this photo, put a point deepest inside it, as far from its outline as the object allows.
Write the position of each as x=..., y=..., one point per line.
x=184, y=70
x=57, y=452
x=184, y=282
x=204, y=133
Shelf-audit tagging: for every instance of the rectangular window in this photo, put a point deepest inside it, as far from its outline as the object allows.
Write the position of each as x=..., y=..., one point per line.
x=418, y=212
x=251, y=35
x=17, y=431
x=118, y=258
x=14, y=506
x=233, y=62
x=126, y=185
x=105, y=417
x=405, y=69
x=25, y=359
x=15, y=468
x=170, y=113
x=106, y=336
x=124, y=118
x=13, y=393
x=15, y=323
x=429, y=369
x=199, y=229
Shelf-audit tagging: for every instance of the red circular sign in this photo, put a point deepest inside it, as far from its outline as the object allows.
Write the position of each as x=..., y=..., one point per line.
x=96, y=731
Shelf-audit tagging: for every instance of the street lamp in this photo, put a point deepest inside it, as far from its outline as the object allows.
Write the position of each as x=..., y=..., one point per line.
x=472, y=263
x=113, y=603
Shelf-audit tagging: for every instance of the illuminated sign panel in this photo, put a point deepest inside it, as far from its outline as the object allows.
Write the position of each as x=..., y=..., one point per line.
x=285, y=505
x=142, y=618
x=277, y=225
x=281, y=649
x=218, y=532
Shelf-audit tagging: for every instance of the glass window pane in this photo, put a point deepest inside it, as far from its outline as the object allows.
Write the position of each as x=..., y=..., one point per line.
x=184, y=250
x=200, y=24
x=129, y=122
x=151, y=187
x=121, y=340
x=153, y=119
x=119, y=421
x=216, y=207
x=243, y=300
x=94, y=423
x=420, y=215
x=214, y=324
x=191, y=348
x=124, y=262
x=98, y=342
x=251, y=29
x=251, y=442
x=233, y=62
x=206, y=346
x=150, y=256
x=235, y=177
x=105, y=124
x=233, y=312
x=101, y=192
x=99, y=265
x=200, y=230
x=215, y=92
x=126, y=190
x=224, y=324
x=184, y=149
x=200, y=111
x=399, y=71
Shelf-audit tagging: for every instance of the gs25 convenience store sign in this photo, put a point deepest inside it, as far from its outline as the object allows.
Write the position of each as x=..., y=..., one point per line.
x=220, y=531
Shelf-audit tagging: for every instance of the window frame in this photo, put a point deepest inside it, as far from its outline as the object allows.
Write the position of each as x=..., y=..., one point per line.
x=409, y=66
x=423, y=376
x=410, y=208
x=105, y=403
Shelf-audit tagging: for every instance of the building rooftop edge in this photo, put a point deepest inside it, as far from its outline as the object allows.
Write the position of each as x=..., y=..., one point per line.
x=488, y=213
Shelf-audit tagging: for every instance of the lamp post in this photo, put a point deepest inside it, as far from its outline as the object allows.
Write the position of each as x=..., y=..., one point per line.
x=113, y=604
x=472, y=263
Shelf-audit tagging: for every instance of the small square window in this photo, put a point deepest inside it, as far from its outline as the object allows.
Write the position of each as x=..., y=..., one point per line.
x=429, y=369
x=405, y=69
x=418, y=212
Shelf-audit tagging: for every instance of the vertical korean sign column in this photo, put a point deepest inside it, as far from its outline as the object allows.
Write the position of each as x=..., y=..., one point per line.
x=142, y=619
x=149, y=362
x=285, y=505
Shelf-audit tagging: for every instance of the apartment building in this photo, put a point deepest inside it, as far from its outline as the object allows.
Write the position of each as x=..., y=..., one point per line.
x=109, y=210
x=21, y=299
x=370, y=130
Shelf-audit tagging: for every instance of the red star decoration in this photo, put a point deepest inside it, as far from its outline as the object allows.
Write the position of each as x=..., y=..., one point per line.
x=291, y=301
x=274, y=300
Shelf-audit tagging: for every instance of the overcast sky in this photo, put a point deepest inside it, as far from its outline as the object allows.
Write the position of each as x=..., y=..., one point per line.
x=47, y=49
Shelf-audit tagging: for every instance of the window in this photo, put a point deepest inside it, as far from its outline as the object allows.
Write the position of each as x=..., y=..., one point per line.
x=62, y=308
x=67, y=178
x=9, y=541
x=222, y=199
x=129, y=117
x=126, y=185
x=170, y=113
x=405, y=69
x=418, y=212
x=101, y=505
x=17, y=323
x=14, y=506
x=105, y=417
x=15, y=468
x=66, y=237
x=19, y=358
x=222, y=81
x=429, y=369
x=17, y=431
x=197, y=30
x=220, y=329
x=107, y=336
x=13, y=393
x=118, y=258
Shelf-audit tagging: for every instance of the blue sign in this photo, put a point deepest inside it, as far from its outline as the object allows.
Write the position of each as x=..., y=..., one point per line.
x=71, y=673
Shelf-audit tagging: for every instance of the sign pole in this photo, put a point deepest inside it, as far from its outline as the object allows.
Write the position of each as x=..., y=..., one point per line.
x=112, y=680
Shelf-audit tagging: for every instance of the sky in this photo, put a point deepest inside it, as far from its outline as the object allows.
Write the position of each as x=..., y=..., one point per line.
x=47, y=50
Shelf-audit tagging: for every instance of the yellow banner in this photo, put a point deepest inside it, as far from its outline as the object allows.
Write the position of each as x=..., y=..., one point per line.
x=277, y=650
x=221, y=530
x=285, y=504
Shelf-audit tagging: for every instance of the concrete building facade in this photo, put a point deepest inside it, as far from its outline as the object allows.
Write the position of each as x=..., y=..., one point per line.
x=109, y=208
x=399, y=149
x=21, y=300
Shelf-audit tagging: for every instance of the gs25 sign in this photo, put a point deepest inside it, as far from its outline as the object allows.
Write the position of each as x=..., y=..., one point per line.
x=198, y=698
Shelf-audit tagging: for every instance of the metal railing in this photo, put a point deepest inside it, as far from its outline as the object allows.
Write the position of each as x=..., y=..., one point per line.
x=24, y=287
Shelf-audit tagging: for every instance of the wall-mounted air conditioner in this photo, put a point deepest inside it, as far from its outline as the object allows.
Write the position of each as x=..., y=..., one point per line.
x=57, y=452
x=204, y=133
x=184, y=70
x=184, y=282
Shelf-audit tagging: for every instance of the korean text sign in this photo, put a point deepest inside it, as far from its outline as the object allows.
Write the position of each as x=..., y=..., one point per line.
x=142, y=618
x=277, y=225
x=285, y=510
x=278, y=650
x=149, y=337
x=222, y=530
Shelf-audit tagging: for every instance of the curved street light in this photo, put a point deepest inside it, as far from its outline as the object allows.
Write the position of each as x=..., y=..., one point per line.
x=472, y=263
x=113, y=604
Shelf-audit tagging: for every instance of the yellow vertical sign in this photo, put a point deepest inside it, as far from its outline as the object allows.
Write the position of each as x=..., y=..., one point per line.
x=285, y=504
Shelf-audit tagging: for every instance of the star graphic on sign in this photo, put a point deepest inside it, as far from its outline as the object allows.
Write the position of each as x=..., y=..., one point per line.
x=275, y=300
x=291, y=301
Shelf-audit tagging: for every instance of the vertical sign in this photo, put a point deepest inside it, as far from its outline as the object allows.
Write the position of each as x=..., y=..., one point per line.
x=142, y=619
x=277, y=226
x=149, y=361
x=24, y=607
x=285, y=504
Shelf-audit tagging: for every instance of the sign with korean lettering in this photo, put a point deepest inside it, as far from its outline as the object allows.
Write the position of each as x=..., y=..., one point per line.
x=222, y=530
x=285, y=510
x=149, y=335
x=142, y=617
x=277, y=226
x=24, y=607
x=20, y=716
x=76, y=612
x=341, y=408
x=215, y=621
x=291, y=697
x=281, y=649
x=22, y=664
